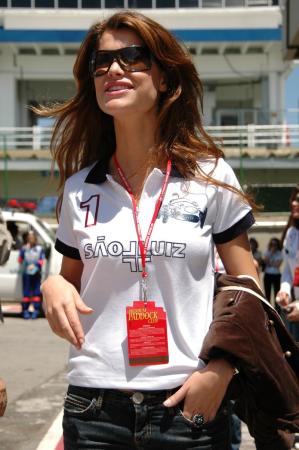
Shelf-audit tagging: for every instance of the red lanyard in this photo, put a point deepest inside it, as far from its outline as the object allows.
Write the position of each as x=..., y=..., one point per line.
x=144, y=245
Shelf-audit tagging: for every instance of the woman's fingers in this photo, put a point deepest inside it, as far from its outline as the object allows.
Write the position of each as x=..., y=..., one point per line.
x=81, y=306
x=204, y=390
x=61, y=319
x=293, y=315
x=176, y=398
x=198, y=396
x=282, y=298
x=62, y=303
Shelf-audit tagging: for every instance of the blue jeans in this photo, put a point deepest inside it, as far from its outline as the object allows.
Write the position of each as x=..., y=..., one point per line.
x=111, y=419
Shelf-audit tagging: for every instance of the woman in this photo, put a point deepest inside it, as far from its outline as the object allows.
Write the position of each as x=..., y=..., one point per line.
x=257, y=255
x=31, y=258
x=288, y=296
x=272, y=259
x=146, y=192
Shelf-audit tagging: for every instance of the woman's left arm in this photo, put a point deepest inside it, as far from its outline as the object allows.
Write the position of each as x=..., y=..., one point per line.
x=237, y=257
x=205, y=389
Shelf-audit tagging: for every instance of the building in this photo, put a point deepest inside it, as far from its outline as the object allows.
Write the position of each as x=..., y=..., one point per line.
x=237, y=46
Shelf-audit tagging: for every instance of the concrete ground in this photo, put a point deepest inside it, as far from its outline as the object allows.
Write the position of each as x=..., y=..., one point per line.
x=32, y=362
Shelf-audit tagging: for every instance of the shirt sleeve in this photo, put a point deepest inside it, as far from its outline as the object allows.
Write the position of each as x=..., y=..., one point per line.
x=66, y=242
x=287, y=273
x=234, y=215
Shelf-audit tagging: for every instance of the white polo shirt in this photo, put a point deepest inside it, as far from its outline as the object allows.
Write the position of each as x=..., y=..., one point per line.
x=97, y=226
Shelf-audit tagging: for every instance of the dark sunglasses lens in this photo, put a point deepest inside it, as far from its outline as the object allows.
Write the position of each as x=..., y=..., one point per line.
x=132, y=59
x=135, y=59
x=102, y=63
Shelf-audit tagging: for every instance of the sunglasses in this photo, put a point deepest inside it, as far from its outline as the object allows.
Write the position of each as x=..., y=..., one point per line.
x=132, y=59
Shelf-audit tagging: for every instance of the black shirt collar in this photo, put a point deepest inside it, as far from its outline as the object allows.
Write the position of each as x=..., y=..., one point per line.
x=97, y=174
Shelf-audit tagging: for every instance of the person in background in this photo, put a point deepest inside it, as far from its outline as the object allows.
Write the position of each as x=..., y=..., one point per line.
x=272, y=262
x=146, y=195
x=288, y=295
x=257, y=255
x=31, y=259
x=14, y=231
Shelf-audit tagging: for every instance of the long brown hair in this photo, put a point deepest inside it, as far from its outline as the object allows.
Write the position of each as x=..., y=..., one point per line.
x=83, y=133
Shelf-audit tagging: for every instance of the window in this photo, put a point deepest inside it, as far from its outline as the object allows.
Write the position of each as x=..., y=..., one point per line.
x=232, y=51
x=114, y=3
x=70, y=51
x=165, y=3
x=255, y=50
x=44, y=3
x=26, y=51
x=140, y=3
x=210, y=51
x=20, y=3
x=3, y=3
x=91, y=3
x=67, y=3
x=211, y=3
x=234, y=3
x=50, y=51
x=188, y=3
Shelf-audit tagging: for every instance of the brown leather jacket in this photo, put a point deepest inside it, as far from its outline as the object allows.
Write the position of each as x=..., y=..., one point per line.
x=248, y=331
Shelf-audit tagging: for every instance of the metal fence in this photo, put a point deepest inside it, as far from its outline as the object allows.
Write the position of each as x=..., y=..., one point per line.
x=250, y=136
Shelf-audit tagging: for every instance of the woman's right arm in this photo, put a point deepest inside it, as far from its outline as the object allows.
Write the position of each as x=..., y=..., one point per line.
x=283, y=297
x=62, y=301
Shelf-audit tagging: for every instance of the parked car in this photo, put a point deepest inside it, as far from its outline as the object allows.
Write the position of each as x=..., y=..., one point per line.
x=19, y=223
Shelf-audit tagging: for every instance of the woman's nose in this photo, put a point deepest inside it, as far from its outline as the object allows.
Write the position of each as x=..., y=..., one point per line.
x=115, y=68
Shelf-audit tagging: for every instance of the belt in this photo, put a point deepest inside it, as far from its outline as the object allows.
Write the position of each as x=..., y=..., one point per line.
x=137, y=397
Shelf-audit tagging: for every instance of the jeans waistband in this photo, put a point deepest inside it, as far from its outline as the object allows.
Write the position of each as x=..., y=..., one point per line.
x=122, y=396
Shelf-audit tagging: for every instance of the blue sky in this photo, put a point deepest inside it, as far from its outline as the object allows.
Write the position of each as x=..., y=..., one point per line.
x=292, y=95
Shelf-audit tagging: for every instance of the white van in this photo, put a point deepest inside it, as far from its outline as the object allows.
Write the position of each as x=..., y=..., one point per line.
x=19, y=223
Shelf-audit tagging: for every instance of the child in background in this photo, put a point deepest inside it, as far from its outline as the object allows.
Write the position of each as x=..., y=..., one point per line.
x=31, y=258
x=273, y=260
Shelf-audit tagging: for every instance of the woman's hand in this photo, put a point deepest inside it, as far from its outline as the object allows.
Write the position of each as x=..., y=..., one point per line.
x=62, y=303
x=293, y=315
x=282, y=299
x=204, y=390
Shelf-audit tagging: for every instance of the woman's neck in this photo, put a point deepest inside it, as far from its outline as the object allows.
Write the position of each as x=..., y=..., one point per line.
x=134, y=144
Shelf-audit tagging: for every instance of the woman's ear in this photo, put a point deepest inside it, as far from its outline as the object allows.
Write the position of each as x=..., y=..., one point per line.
x=163, y=83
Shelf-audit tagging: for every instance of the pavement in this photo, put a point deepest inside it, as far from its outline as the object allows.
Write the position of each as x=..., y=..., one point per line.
x=32, y=362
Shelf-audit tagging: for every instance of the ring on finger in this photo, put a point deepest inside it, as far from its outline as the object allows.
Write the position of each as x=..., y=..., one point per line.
x=198, y=420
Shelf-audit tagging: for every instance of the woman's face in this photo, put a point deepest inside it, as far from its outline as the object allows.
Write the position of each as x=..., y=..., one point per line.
x=295, y=206
x=121, y=93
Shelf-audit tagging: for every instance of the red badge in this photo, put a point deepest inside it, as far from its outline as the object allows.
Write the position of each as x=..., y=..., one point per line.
x=147, y=334
x=296, y=277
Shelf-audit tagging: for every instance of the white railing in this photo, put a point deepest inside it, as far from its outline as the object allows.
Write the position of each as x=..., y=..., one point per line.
x=254, y=136
x=78, y=4
x=25, y=138
x=250, y=136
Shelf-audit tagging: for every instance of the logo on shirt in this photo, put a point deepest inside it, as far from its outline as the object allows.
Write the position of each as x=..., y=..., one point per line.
x=131, y=254
x=183, y=209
